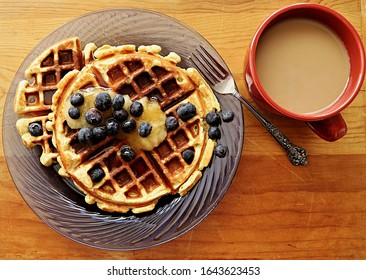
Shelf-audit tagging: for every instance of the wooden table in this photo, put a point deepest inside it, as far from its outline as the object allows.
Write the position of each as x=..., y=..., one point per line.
x=273, y=210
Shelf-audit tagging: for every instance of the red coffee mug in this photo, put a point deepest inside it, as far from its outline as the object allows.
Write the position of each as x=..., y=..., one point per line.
x=328, y=122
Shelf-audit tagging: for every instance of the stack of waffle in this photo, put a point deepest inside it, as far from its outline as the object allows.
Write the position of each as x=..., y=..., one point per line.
x=141, y=75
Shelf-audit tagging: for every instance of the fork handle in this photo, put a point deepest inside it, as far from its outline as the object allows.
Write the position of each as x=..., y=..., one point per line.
x=296, y=154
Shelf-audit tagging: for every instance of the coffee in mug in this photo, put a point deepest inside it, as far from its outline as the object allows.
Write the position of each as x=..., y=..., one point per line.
x=306, y=62
x=302, y=64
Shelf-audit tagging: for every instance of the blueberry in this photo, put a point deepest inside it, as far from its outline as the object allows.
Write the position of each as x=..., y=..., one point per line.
x=85, y=135
x=136, y=109
x=186, y=111
x=35, y=129
x=96, y=174
x=127, y=153
x=99, y=133
x=171, y=123
x=188, y=155
x=74, y=113
x=228, y=116
x=77, y=99
x=213, y=119
x=93, y=116
x=220, y=150
x=120, y=115
x=144, y=129
x=118, y=101
x=111, y=126
x=214, y=133
x=103, y=101
x=129, y=125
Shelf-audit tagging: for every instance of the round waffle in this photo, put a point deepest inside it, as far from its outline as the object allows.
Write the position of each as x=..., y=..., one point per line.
x=156, y=171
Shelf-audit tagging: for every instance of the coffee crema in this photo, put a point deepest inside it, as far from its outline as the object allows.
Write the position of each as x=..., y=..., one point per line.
x=302, y=65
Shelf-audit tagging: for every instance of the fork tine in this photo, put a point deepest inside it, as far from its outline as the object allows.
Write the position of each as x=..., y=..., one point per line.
x=214, y=63
x=209, y=67
x=205, y=71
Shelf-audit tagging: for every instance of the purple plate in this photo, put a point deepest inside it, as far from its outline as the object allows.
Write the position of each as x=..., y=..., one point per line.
x=54, y=199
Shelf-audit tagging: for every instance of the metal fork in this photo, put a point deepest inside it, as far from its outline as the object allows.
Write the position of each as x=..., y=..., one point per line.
x=223, y=83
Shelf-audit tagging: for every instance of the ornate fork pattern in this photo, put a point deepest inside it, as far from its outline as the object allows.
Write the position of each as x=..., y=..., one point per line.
x=223, y=83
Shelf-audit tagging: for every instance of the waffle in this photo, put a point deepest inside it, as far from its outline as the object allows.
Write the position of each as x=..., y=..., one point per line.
x=33, y=98
x=34, y=95
x=136, y=185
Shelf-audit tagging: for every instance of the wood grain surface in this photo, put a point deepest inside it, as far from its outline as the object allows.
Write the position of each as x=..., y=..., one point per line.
x=273, y=210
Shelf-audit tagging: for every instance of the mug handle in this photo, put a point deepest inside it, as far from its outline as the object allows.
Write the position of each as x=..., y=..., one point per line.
x=330, y=129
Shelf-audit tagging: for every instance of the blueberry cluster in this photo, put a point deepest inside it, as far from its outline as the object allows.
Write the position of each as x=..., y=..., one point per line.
x=214, y=120
x=120, y=119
